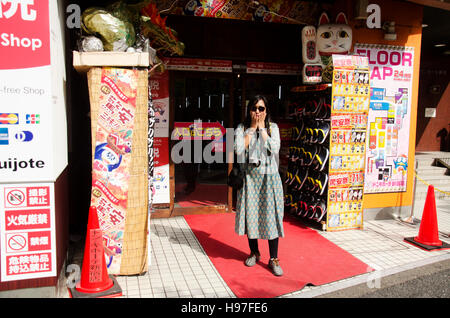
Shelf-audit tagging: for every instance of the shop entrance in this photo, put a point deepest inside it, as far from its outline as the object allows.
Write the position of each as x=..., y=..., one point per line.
x=204, y=103
x=276, y=88
x=202, y=108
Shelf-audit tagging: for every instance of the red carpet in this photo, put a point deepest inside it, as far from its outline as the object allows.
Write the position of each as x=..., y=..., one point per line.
x=203, y=195
x=305, y=256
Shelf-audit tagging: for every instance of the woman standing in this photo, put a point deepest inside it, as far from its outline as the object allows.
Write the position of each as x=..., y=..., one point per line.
x=260, y=205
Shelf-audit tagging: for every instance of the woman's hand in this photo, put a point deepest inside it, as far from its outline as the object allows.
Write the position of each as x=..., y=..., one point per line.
x=260, y=124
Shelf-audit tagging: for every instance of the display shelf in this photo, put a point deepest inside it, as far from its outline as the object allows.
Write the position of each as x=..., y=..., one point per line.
x=324, y=180
x=306, y=177
x=83, y=61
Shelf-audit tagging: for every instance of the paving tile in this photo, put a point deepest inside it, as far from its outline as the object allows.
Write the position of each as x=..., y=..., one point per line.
x=172, y=294
x=185, y=294
x=184, y=270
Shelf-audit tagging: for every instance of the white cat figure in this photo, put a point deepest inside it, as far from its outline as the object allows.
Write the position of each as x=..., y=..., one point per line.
x=330, y=39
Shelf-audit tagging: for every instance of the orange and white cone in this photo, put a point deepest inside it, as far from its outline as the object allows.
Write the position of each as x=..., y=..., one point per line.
x=95, y=281
x=428, y=238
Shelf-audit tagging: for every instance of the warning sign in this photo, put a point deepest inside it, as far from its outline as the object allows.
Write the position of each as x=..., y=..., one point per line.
x=26, y=197
x=27, y=233
x=15, y=197
x=27, y=219
x=16, y=242
x=29, y=265
x=28, y=241
x=38, y=196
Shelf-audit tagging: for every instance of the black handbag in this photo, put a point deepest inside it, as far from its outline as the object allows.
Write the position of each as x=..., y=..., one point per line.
x=236, y=177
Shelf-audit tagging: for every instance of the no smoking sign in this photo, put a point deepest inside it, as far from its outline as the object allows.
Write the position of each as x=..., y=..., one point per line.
x=17, y=242
x=15, y=197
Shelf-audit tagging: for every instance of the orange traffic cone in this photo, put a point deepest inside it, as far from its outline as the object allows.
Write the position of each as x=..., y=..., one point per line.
x=428, y=237
x=95, y=281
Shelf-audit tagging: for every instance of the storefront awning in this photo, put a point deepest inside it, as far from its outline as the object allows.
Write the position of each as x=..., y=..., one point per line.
x=444, y=4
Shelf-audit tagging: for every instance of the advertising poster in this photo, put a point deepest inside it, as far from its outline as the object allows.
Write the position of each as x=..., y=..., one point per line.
x=112, y=157
x=389, y=116
x=27, y=231
x=26, y=111
x=350, y=105
x=159, y=86
x=161, y=178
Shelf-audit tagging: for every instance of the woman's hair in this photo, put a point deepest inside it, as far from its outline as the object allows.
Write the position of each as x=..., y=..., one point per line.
x=253, y=102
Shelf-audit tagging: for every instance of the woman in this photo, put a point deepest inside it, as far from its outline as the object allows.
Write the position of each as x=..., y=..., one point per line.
x=260, y=206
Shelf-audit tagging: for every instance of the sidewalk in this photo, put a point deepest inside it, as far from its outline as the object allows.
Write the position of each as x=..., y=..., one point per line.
x=180, y=268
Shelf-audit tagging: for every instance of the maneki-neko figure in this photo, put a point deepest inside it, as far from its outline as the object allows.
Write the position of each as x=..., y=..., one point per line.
x=320, y=44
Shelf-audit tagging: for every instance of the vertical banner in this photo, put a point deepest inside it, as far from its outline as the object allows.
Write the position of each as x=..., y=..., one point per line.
x=151, y=166
x=350, y=104
x=112, y=157
x=159, y=85
x=389, y=116
x=27, y=231
x=26, y=150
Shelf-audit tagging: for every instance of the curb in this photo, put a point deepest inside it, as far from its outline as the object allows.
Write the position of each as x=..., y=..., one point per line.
x=365, y=278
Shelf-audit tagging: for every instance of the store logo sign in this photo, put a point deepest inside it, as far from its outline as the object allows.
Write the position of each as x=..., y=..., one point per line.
x=24, y=34
x=14, y=164
x=10, y=8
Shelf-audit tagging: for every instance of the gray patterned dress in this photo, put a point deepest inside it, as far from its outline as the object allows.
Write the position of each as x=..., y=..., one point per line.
x=260, y=202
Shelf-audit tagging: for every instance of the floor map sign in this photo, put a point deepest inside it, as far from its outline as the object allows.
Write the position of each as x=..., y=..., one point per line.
x=112, y=158
x=350, y=104
x=389, y=116
x=27, y=231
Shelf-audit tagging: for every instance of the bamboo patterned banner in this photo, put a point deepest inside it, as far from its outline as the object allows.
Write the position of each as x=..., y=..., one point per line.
x=112, y=157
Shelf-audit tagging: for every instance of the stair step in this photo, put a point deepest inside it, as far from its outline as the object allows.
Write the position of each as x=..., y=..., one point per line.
x=441, y=186
x=432, y=173
x=424, y=159
x=434, y=180
x=419, y=205
x=424, y=162
x=422, y=195
x=431, y=168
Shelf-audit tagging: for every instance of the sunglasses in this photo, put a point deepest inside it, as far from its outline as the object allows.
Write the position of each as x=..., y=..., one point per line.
x=260, y=108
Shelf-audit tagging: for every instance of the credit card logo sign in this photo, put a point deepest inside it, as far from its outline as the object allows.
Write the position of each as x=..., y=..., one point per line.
x=24, y=136
x=33, y=119
x=9, y=119
x=4, y=136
